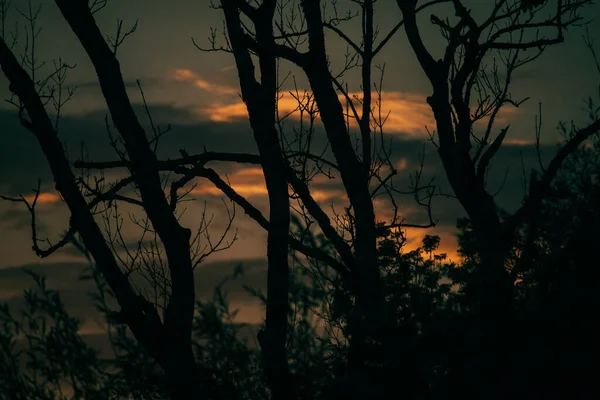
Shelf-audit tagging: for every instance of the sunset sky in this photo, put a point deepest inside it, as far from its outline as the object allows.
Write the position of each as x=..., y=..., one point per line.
x=198, y=94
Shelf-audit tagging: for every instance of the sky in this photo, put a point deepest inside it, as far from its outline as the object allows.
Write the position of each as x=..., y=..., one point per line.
x=198, y=94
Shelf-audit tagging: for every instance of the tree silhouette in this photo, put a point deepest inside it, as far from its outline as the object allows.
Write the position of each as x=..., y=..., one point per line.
x=457, y=79
x=392, y=322
x=57, y=362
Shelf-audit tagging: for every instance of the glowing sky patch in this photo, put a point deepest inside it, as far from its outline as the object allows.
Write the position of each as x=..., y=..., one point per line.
x=403, y=113
x=186, y=75
x=402, y=164
x=44, y=198
x=518, y=142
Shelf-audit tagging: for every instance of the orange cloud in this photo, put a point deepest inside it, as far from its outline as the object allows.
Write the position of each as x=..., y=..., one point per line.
x=402, y=164
x=250, y=182
x=327, y=195
x=518, y=142
x=222, y=112
x=243, y=189
x=44, y=198
x=225, y=112
x=246, y=182
x=408, y=113
x=186, y=75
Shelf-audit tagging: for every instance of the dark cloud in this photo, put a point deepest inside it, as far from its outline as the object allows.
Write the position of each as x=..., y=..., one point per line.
x=130, y=84
x=22, y=161
x=18, y=217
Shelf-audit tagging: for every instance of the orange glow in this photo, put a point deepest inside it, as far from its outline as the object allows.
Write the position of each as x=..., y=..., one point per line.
x=518, y=142
x=406, y=113
x=447, y=244
x=242, y=189
x=250, y=182
x=328, y=195
x=186, y=75
x=251, y=173
x=44, y=198
x=225, y=112
x=414, y=236
x=409, y=113
x=246, y=182
x=402, y=164
x=220, y=112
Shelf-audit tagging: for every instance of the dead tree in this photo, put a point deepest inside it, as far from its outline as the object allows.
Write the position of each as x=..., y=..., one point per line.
x=459, y=79
x=465, y=90
x=372, y=320
x=260, y=98
x=166, y=339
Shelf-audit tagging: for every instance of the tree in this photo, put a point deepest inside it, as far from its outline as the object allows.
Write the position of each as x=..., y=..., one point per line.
x=554, y=265
x=43, y=356
x=256, y=33
x=168, y=340
x=512, y=28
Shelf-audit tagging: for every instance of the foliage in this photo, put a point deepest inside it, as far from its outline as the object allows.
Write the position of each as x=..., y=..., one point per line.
x=59, y=359
x=42, y=352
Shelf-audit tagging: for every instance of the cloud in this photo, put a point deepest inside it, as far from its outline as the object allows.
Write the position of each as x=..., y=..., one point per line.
x=186, y=75
x=21, y=163
x=40, y=198
x=408, y=113
x=245, y=181
x=228, y=68
x=236, y=111
x=94, y=84
x=402, y=164
x=44, y=198
x=219, y=112
x=249, y=182
x=518, y=142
